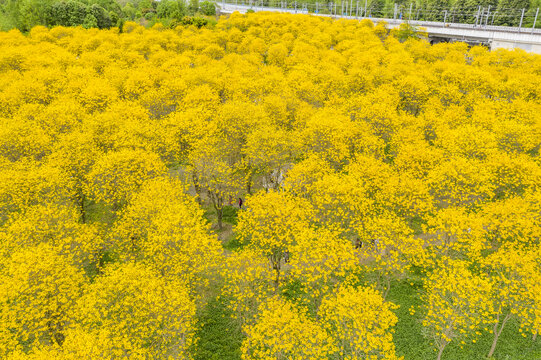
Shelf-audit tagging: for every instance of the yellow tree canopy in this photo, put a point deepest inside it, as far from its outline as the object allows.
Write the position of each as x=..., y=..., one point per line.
x=38, y=291
x=132, y=310
x=361, y=323
x=282, y=331
x=116, y=176
x=164, y=228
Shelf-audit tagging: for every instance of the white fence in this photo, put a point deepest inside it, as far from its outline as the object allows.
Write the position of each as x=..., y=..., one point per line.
x=528, y=39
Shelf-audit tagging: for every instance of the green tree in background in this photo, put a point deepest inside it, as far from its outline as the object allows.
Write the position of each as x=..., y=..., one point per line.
x=510, y=11
x=102, y=17
x=146, y=6
x=110, y=5
x=194, y=6
x=129, y=11
x=115, y=19
x=172, y=9
x=32, y=13
x=464, y=11
x=435, y=9
x=208, y=8
x=90, y=21
x=67, y=13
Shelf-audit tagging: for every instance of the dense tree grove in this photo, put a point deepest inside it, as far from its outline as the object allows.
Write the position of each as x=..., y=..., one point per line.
x=24, y=14
x=102, y=14
x=274, y=187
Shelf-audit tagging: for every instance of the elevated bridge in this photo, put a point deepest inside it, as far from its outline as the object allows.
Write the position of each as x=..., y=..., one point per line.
x=495, y=37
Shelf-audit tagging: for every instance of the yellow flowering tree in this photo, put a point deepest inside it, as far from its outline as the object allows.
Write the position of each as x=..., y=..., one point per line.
x=215, y=169
x=458, y=233
x=133, y=310
x=117, y=175
x=57, y=226
x=269, y=152
x=247, y=283
x=78, y=344
x=516, y=276
x=321, y=260
x=38, y=291
x=75, y=154
x=269, y=225
x=360, y=322
x=513, y=221
x=282, y=331
x=456, y=304
x=164, y=228
x=30, y=183
x=303, y=175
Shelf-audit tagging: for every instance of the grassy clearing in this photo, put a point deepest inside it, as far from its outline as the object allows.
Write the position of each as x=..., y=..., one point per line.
x=220, y=337
x=411, y=344
x=99, y=213
x=220, y=340
x=229, y=220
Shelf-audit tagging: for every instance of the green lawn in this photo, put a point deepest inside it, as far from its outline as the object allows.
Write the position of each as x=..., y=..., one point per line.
x=220, y=338
x=412, y=345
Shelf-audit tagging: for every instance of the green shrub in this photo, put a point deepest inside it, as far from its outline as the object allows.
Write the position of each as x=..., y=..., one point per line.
x=90, y=22
x=208, y=8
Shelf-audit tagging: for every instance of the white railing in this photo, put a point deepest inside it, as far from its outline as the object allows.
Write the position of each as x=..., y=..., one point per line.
x=483, y=19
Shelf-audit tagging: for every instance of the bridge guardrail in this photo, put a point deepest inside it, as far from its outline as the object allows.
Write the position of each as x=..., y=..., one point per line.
x=348, y=11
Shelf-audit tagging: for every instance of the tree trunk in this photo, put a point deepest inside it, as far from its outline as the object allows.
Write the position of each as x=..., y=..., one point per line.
x=218, y=203
x=276, y=180
x=442, y=347
x=534, y=337
x=276, y=267
x=133, y=243
x=497, y=333
x=277, y=280
x=79, y=198
x=249, y=183
x=197, y=187
x=101, y=262
x=55, y=328
x=219, y=214
x=81, y=204
x=387, y=287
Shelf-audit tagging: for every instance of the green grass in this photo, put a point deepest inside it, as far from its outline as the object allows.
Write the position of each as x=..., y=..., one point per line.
x=220, y=337
x=230, y=215
x=229, y=220
x=413, y=346
x=97, y=212
x=233, y=244
x=416, y=224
